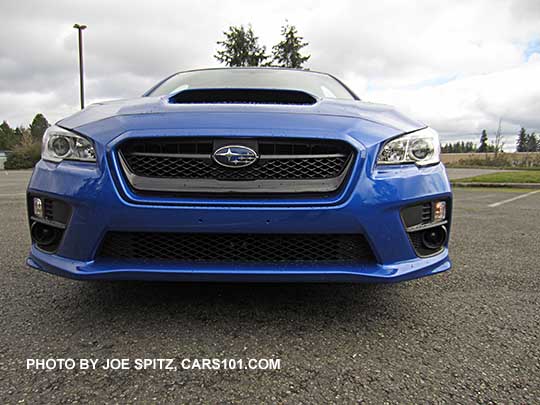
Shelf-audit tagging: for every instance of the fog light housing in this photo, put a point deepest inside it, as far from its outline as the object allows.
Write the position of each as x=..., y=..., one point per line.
x=38, y=207
x=45, y=235
x=434, y=238
x=439, y=211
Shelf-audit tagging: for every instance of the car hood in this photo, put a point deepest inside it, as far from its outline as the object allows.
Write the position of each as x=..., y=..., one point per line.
x=380, y=114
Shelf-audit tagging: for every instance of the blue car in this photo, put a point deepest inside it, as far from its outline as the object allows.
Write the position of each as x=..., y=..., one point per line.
x=241, y=174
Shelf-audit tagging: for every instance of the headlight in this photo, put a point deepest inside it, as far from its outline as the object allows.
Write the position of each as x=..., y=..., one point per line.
x=420, y=147
x=59, y=144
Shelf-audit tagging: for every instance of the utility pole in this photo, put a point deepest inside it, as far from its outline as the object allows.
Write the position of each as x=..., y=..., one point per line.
x=80, y=28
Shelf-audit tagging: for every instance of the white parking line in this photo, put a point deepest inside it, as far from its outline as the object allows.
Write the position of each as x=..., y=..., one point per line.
x=513, y=199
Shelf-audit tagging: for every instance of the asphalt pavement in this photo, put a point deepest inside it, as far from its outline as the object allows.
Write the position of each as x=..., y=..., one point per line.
x=468, y=335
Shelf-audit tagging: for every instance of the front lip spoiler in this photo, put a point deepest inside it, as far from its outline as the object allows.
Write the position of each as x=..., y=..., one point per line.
x=112, y=270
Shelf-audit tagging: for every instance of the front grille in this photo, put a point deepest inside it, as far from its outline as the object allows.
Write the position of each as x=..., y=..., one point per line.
x=284, y=166
x=201, y=168
x=236, y=248
x=191, y=159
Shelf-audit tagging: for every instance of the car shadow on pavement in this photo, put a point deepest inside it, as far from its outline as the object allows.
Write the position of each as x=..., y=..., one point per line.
x=242, y=302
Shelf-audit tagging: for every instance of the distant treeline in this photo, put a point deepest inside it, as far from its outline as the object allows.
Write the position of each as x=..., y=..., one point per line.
x=459, y=147
x=526, y=142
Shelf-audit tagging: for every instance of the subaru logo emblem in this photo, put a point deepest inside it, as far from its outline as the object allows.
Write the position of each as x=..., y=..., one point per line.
x=235, y=156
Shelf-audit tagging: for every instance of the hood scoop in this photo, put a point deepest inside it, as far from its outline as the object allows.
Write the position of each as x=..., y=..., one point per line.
x=242, y=96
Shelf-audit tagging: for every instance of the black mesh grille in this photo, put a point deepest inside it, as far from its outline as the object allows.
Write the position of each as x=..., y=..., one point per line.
x=282, y=169
x=416, y=239
x=239, y=248
x=279, y=160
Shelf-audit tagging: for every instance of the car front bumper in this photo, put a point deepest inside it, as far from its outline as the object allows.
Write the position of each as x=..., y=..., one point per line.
x=371, y=206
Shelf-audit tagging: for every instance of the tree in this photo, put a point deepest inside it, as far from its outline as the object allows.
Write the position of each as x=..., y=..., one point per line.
x=7, y=138
x=499, y=143
x=18, y=135
x=287, y=52
x=532, y=143
x=241, y=48
x=25, y=154
x=521, y=145
x=483, y=142
x=38, y=126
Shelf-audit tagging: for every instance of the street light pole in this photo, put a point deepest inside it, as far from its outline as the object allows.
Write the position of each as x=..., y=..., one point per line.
x=80, y=28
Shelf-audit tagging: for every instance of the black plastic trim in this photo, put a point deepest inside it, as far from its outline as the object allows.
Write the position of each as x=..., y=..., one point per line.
x=54, y=224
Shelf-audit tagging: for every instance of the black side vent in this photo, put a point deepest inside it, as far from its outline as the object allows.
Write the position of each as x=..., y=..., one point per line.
x=426, y=213
x=417, y=214
x=242, y=96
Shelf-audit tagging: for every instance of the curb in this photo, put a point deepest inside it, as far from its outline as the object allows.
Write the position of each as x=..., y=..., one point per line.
x=506, y=185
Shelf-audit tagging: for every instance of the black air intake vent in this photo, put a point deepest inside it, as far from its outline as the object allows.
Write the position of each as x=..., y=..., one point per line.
x=242, y=96
x=236, y=248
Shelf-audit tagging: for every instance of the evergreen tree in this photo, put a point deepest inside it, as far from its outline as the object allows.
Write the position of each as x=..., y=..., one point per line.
x=287, y=52
x=38, y=127
x=241, y=48
x=532, y=143
x=6, y=136
x=483, y=142
x=3, y=140
x=522, y=141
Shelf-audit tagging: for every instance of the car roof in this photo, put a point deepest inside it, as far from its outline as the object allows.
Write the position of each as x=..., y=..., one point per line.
x=254, y=68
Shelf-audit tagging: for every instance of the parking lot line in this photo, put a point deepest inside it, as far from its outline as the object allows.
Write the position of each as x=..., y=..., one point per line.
x=513, y=199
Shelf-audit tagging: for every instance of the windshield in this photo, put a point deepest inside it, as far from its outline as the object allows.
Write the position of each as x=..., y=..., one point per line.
x=317, y=84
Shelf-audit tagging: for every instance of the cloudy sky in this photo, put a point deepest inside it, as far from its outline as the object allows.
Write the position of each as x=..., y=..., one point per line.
x=456, y=65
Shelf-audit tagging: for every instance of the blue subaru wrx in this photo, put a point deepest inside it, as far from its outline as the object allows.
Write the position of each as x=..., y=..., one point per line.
x=245, y=174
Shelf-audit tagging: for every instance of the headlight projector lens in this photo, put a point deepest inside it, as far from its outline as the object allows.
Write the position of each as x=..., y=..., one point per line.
x=61, y=146
x=421, y=149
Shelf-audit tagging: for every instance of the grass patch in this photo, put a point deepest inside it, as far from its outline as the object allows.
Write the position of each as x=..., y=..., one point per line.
x=528, y=176
x=498, y=190
x=463, y=166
